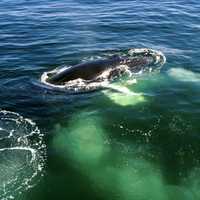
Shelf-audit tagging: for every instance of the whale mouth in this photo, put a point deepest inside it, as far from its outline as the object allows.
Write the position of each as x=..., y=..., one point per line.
x=144, y=61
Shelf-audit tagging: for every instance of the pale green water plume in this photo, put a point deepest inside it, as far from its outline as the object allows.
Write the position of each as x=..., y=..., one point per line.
x=87, y=147
x=125, y=92
x=184, y=75
x=123, y=99
x=121, y=94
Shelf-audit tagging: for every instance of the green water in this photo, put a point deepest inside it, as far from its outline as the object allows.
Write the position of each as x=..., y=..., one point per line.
x=126, y=147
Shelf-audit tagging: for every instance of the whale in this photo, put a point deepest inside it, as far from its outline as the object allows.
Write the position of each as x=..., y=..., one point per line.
x=119, y=67
x=92, y=69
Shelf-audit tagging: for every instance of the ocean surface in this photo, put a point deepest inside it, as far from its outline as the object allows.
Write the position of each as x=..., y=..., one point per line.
x=100, y=145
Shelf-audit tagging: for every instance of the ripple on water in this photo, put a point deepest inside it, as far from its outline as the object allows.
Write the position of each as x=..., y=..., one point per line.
x=22, y=154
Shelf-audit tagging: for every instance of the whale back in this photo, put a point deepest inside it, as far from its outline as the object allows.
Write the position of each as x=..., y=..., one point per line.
x=87, y=71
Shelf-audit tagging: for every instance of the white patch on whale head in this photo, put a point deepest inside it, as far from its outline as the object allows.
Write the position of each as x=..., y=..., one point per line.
x=158, y=56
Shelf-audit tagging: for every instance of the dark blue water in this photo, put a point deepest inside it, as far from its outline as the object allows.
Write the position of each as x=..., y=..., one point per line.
x=105, y=145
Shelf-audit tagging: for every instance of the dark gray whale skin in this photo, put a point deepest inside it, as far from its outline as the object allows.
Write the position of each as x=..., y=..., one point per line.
x=90, y=70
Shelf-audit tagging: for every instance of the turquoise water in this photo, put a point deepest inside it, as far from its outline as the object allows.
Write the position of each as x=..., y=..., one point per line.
x=103, y=144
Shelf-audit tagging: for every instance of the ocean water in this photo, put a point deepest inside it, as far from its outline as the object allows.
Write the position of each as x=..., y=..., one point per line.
x=103, y=144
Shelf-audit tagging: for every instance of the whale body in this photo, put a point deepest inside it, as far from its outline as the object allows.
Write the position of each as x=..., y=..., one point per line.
x=91, y=69
x=105, y=72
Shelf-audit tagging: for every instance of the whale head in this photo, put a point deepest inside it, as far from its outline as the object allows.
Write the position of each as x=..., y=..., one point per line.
x=141, y=59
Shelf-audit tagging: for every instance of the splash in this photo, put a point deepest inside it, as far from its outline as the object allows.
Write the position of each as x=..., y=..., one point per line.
x=155, y=60
x=22, y=154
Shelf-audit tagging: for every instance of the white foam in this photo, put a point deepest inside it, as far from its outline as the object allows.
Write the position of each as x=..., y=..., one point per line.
x=22, y=157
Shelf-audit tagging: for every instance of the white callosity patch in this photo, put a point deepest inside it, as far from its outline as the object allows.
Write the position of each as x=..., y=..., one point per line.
x=155, y=60
x=22, y=154
x=158, y=56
